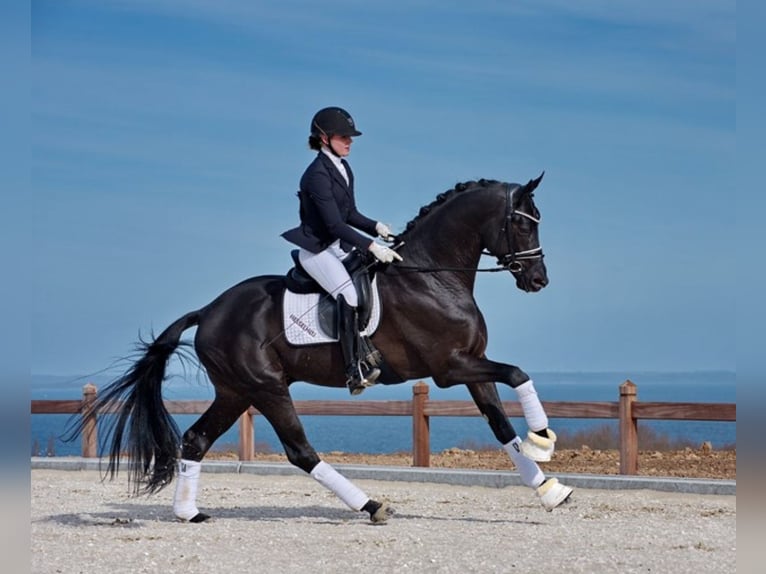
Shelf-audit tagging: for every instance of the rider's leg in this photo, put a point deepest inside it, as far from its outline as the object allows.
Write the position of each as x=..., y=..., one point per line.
x=359, y=374
x=327, y=269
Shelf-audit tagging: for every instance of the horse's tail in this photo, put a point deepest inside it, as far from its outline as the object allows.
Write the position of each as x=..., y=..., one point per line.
x=141, y=426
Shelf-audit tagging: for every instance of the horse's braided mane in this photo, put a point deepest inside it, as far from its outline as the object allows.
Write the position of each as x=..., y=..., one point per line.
x=445, y=196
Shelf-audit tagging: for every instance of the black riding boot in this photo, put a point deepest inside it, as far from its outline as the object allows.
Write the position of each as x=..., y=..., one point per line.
x=359, y=375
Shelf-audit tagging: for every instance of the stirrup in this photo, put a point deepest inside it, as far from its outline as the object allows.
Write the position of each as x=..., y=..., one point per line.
x=538, y=448
x=359, y=381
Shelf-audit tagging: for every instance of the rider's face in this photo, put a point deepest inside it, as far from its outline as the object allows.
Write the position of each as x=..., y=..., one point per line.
x=341, y=145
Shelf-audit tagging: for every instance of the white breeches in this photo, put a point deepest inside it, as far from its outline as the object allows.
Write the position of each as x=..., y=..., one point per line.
x=327, y=269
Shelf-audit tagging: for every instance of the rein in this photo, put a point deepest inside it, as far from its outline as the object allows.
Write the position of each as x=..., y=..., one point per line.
x=500, y=267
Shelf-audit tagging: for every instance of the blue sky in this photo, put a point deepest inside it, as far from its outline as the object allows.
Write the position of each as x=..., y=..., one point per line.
x=168, y=138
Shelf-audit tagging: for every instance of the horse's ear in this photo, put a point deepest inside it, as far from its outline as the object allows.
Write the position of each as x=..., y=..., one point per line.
x=533, y=183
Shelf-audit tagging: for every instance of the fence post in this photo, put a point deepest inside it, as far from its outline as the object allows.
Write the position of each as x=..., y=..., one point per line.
x=246, y=436
x=89, y=439
x=421, y=437
x=628, y=429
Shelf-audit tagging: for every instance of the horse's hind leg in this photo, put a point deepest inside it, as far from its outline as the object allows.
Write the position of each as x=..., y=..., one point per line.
x=280, y=412
x=551, y=491
x=197, y=440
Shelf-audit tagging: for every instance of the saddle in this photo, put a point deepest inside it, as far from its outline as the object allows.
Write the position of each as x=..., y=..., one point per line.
x=300, y=282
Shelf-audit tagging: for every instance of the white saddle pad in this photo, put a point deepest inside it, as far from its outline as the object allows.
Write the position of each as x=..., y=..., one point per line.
x=301, y=317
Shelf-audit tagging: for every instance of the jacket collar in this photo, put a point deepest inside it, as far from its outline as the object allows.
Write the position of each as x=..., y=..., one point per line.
x=334, y=170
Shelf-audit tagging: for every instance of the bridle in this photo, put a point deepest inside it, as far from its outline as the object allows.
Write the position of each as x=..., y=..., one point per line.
x=512, y=261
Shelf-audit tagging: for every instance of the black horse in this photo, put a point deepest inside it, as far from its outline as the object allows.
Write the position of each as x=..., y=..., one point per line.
x=430, y=326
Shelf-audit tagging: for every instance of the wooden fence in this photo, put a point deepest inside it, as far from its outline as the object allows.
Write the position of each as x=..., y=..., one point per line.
x=421, y=408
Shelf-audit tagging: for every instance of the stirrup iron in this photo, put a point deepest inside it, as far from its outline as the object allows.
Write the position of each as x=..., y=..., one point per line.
x=358, y=382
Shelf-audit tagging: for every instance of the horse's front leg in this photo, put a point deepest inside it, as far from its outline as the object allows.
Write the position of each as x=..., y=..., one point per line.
x=551, y=492
x=467, y=369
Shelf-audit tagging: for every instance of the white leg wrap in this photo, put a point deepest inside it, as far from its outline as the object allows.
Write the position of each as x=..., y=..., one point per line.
x=530, y=473
x=185, y=499
x=533, y=410
x=331, y=479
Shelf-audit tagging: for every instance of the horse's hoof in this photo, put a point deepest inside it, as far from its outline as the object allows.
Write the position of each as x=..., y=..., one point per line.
x=382, y=513
x=200, y=517
x=552, y=493
x=539, y=448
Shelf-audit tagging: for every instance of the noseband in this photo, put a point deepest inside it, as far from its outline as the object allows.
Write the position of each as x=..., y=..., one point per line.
x=513, y=260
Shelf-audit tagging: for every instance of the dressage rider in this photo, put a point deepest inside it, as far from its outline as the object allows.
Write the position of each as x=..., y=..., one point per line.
x=328, y=231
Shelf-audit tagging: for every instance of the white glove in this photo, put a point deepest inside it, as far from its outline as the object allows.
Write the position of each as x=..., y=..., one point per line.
x=383, y=230
x=383, y=253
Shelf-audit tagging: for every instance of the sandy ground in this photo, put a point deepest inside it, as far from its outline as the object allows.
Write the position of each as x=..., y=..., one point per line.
x=291, y=524
x=686, y=463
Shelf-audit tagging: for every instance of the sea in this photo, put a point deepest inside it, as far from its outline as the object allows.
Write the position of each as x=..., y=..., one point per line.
x=389, y=434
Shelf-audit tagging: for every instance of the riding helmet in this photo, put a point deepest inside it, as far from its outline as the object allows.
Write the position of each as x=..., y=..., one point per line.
x=333, y=121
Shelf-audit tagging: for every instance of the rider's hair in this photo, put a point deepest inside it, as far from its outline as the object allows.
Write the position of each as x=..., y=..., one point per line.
x=315, y=143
